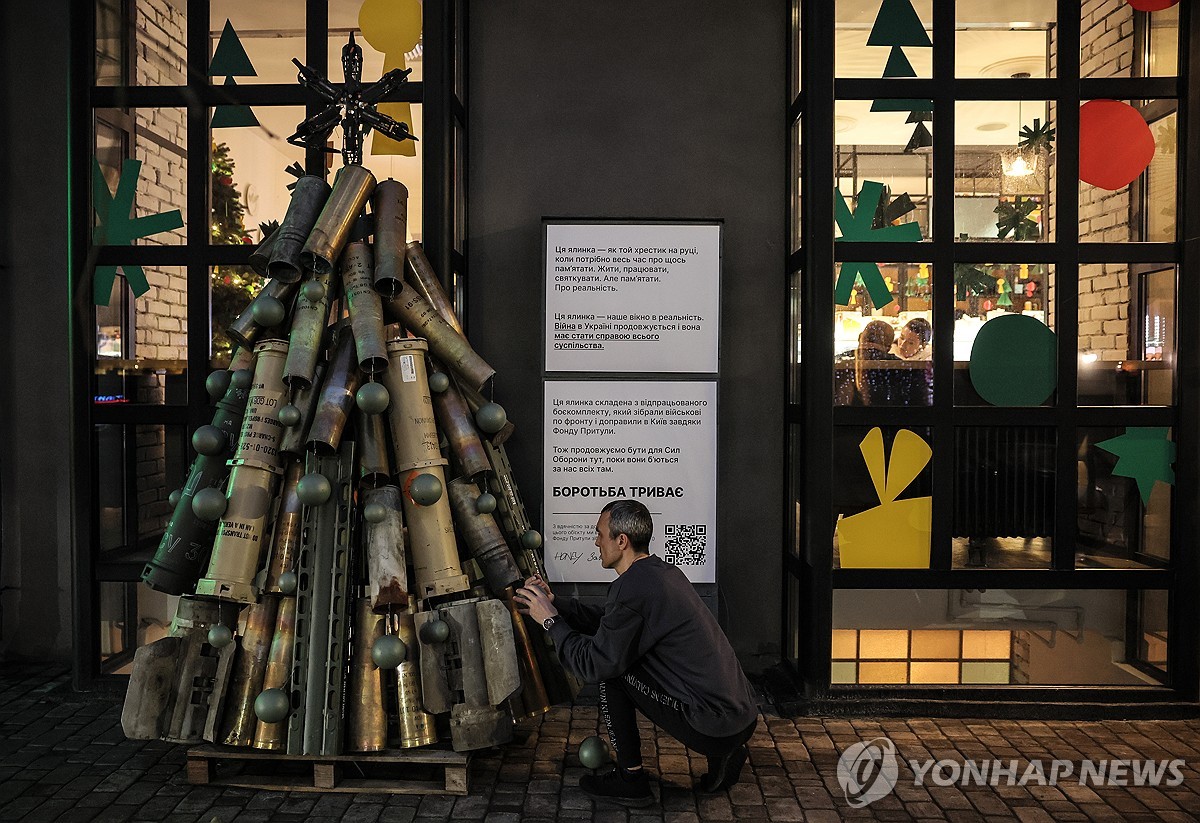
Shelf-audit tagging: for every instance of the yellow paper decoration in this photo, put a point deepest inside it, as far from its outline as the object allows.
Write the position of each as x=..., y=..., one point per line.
x=394, y=28
x=896, y=533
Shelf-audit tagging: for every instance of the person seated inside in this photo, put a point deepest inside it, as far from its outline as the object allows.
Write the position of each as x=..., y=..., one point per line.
x=871, y=386
x=913, y=341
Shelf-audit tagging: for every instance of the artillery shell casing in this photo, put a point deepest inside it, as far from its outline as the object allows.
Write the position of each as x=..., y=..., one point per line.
x=374, y=463
x=261, y=257
x=390, y=205
x=183, y=551
x=483, y=537
x=243, y=330
x=257, y=630
x=351, y=189
x=294, y=438
x=273, y=736
x=410, y=412
x=415, y=313
x=532, y=698
x=307, y=337
x=243, y=358
x=455, y=421
x=308, y=198
x=416, y=725
x=258, y=442
x=387, y=571
x=342, y=380
x=425, y=280
x=366, y=312
x=364, y=694
x=436, y=567
x=285, y=541
x=196, y=613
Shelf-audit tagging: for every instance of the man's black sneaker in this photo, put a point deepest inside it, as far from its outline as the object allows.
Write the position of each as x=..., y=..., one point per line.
x=724, y=771
x=616, y=784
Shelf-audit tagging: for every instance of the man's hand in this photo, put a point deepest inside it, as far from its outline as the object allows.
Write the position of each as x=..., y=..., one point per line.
x=537, y=582
x=531, y=600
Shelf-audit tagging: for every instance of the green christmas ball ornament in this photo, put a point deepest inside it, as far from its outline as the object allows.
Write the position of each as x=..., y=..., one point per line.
x=425, y=489
x=242, y=378
x=531, y=540
x=217, y=383
x=485, y=503
x=372, y=398
x=219, y=636
x=374, y=512
x=272, y=706
x=313, y=291
x=435, y=631
x=268, y=311
x=209, y=440
x=388, y=652
x=439, y=381
x=491, y=417
x=289, y=415
x=288, y=582
x=314, y=489
x=175, y=497
x=593, y=753
x=209, y=504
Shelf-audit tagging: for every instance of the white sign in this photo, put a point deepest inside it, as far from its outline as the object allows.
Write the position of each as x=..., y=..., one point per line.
x=632, y=298
x=650, y=441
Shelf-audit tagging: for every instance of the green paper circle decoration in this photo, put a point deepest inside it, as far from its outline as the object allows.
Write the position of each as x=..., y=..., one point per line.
x=485, y=503
x=209, y=504
x=388, y=652
x=593, y=753
x=289, y=415
x=272, y=706
x=425, y=489
x=435, y=631
x=288, y=582
x=175, y=497
x=209, y=440
x=491, y=417
x=1013, y=361
x=313, y=291
x=314, y=489
x=531, y=539
x=268, y=311
x=217, y=383
x=219, y=636
x=372, y=398
x=242, y=378
x=374, y=512
x=439, y=381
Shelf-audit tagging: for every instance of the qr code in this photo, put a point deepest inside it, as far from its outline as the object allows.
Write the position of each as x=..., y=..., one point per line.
x=685, y=545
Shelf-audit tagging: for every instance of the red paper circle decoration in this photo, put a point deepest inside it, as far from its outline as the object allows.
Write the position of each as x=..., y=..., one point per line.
x=1152, y=5
x=1115, y=144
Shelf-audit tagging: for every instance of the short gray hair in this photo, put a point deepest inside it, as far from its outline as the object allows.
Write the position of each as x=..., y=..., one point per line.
x=632, y=519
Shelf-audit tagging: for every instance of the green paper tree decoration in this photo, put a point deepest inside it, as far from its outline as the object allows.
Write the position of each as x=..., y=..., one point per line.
x=898, y=25
x=230, y=60
x=117, y=227
x=859, y=227
x=1144, y=453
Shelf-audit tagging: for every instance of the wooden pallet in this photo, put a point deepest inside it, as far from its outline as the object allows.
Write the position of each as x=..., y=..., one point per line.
x=425, y=770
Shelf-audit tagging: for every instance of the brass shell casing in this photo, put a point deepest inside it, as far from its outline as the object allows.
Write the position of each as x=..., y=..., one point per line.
x=374, y=462
x=285, y=542
x=260, y=257
x=483, y=537
x=390, y=205
x=435, y=562
x=351, y=189
x=425, y=280
x=295, y=438
x=458, y=425
x=365, y=705
x=387, y=572
x=256, y=631
x=308, y=198
x=342, y=379
x=273, y=736
x=243, y=330
x=306, y=340
x=416, y=725
x=410, y=412
x=416, y=314
x=366, y=312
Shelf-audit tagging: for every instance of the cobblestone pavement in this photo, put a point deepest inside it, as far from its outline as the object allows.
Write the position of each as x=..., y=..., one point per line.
x=63, y=758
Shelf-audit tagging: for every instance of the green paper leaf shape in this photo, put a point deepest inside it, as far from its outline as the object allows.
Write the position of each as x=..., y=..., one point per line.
x=1144, y=453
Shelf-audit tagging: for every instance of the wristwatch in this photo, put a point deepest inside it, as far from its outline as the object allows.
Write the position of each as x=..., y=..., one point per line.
x=549, y=621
